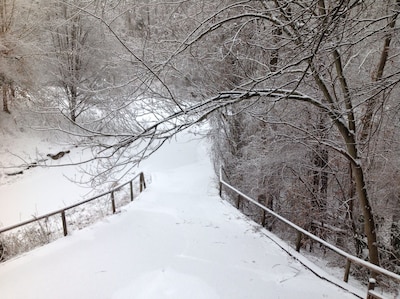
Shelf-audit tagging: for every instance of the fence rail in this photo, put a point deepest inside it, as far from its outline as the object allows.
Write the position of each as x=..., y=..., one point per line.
x=300, y=231
x=142, y=186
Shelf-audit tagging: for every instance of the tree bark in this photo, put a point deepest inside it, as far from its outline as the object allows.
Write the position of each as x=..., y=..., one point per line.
x=369, y=223
x=361, y=189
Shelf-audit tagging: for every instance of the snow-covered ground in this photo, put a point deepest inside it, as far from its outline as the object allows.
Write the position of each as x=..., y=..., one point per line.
x=178, y=239
x=37, y=190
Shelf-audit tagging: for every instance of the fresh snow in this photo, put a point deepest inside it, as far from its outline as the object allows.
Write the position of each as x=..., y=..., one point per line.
x=178, y=239
x=38, y=190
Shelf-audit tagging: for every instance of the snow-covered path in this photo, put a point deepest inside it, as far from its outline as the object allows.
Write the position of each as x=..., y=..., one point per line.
x=177, y=240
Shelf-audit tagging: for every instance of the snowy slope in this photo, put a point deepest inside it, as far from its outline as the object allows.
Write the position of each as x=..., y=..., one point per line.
x=37, y=190
x=177, y=240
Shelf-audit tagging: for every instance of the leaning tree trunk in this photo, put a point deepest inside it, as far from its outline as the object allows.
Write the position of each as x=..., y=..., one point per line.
x=369, y=223
x=347, y=130
x=362, y=194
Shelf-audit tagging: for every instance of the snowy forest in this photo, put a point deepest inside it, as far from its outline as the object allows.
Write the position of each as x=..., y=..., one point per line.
x=301, y=97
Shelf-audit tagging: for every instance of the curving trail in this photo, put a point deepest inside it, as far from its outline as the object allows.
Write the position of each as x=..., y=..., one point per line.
x=177, y=240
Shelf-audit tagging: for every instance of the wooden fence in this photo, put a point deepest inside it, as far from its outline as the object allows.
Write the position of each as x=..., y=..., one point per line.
x=374, y=269
x=61, y=212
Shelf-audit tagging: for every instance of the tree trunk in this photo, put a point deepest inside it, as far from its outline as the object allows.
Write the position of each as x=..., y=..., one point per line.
x=274, y=58
x=73, y=103
x=319, y=174
x=369, y=223
x=361, y=189
x=5, y=98
x=348, y=133
x=350, y=214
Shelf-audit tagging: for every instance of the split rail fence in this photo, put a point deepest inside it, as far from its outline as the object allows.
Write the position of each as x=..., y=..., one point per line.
x=374, y=269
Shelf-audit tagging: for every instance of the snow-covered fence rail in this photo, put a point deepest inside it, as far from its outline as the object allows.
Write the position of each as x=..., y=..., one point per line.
x=62, y=212
x=302, y=232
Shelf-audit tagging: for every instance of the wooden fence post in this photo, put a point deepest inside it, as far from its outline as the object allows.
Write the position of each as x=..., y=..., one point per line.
x=112, y=202
x=371, y=284
x=64, y=223
x=347, y=270
x=371, y=287
x=263, y=218
x=239, y=197
x=131, y=188
x=142, y=182
x=298, y=241
x=220, y=189
x=262, y=200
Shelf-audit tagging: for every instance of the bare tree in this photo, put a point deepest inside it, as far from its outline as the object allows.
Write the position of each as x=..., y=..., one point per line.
x=236, y=55
x=78, y=60
x=18, y=25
